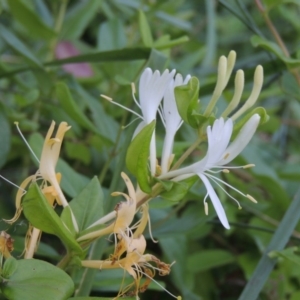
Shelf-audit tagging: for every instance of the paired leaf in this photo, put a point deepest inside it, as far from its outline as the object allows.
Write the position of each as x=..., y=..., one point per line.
x=187, y=101
x=137, y=156
x=32, y=279
x=42, y=216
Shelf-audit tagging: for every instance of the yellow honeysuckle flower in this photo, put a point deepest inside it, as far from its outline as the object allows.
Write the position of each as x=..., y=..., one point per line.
x=6, y=244
x=46, y=171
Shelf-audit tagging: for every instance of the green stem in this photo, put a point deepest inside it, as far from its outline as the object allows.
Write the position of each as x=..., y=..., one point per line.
x=57, y=27
x=96, y=252
x=187, y=153
x=276, y=36
x=64, y=261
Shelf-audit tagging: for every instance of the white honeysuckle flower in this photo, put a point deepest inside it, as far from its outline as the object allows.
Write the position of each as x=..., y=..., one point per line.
x=218, y=155
x=152, y=87
x=171, y=120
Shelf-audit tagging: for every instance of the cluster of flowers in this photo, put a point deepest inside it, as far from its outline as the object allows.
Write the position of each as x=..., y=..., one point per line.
x=156, y=96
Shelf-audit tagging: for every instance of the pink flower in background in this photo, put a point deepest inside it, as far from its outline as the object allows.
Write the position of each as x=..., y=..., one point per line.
x=66, y=49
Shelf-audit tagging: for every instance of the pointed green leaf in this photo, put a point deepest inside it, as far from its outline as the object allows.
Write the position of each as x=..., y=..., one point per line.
x=291, y=63
x=78, y=18
x=278, y=242
x=41, y=215
x=32, y=279
x=87, y=207
x=145, y=30
x=71, y=108
x=19, y=47
x=111, y=35
x=30, y=20
x=187, y=101
x=137, y=156
x=208, y=259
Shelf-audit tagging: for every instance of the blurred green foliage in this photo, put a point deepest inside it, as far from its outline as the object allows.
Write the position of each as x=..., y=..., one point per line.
x=112, y=42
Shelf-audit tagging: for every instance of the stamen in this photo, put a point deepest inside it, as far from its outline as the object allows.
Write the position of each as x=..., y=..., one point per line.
x=124, y=127
x=226, y=155
x=106, y=97
x=251, y=198
x=27, y=144
x=248, y=166
x=15, y=185
x=215, y=180
x=122, y=106
x=161, y=114
x=225, y=171
x=133, y=89
x=206, y=208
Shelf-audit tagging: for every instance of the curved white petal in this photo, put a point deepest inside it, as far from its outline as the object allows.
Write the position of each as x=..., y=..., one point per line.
x=172, y=120
x=218, y=139
x=215, y=201
x=241, y=141
x=152, y=87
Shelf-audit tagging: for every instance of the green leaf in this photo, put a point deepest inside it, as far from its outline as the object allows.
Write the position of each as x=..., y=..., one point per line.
x=145, y=30
x=32, y=279
x=291, y=254
x=187, y=101
x=99, y=298
x=5, y=139
x=208, y=259
x=88, y=205
x=71, y=108
x=179, y=189
x=78, y=18
x=167, y=184
x=137, y=156
x=30, y=20
x=258, y=41
x=111, y=35
x=41, y=215
x=166, y=44
x=157, y=60
x=278, y=242
x=258, y=110
x=19, y=47
x=97, y=57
